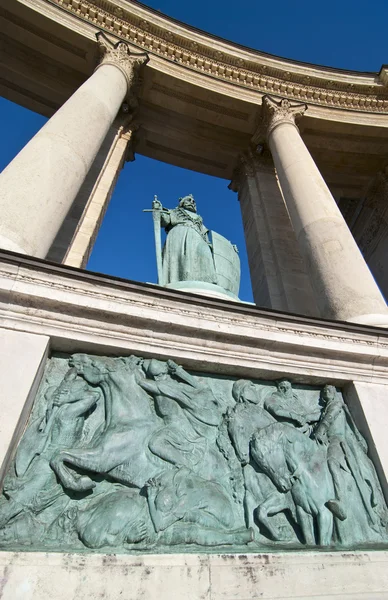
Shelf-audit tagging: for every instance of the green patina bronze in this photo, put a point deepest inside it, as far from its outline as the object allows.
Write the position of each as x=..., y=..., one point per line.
x=192, y=253
x=135, y=455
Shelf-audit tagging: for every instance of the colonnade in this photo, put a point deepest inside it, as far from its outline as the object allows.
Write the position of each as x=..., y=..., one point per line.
x=302, y=255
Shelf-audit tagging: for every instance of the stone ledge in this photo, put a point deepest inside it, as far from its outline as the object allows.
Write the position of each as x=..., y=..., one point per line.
x=86, y=312
x=297, y=576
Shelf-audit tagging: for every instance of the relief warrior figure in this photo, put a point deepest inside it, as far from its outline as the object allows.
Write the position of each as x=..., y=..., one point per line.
x=33, y=488
x=178, y=507
x=121, y=450
x=347, y=453
x=285, y=405
x=186, y=508
x=294, y=464
x=298, y=468
x=191, y=416
x=246, y=418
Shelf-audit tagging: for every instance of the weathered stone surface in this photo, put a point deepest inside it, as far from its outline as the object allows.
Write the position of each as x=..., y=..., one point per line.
x=18, y=392
x=345, y=576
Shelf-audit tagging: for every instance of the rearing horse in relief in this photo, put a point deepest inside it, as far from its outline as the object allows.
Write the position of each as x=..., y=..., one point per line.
x=298, y=467
x=120, y=450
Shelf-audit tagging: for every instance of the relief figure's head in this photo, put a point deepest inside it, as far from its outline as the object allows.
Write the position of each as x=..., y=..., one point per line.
x=245, y=391
x=284, y=386
x=155, y=369
x=328, y=393
x=93, y=370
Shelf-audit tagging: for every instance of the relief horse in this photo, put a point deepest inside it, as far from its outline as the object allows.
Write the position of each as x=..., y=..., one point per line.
x=120, y=450
x=298, y=467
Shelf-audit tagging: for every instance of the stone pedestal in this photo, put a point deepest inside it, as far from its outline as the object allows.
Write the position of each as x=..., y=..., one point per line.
x=203, y=288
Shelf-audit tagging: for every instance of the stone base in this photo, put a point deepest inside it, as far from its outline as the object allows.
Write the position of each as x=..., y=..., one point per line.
x=204, y=289
x=300, y=575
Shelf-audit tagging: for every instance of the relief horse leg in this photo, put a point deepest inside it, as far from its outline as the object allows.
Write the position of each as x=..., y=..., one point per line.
x=274, y=504
x=91, y=460
x=306, y=523
x=325, y=526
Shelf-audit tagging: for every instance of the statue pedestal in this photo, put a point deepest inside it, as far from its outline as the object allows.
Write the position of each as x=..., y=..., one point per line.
x=211, y=290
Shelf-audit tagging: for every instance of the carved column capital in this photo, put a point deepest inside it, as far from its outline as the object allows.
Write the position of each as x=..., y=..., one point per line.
x=277, y=111
x=121, y=56
x=249, y=164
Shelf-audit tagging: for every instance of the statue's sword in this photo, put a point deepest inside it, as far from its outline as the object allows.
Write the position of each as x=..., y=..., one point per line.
x=156, y=217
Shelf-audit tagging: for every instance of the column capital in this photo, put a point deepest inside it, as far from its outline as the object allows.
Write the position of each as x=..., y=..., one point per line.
x=249, y=163
x=120, y=55
x=277, y=111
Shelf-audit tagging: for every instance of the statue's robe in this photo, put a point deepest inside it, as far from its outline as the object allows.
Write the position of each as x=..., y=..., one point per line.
x=187, y=255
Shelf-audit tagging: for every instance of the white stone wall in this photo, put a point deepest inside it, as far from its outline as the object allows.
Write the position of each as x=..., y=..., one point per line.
x=296, y=576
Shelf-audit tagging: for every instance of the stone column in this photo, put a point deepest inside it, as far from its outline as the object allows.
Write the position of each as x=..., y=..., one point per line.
x=344, y=287
x=81, y=245
x=38, y=187
x=278, y=275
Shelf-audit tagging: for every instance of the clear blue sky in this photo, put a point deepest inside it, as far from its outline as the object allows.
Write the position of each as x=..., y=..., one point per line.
x=343, y=33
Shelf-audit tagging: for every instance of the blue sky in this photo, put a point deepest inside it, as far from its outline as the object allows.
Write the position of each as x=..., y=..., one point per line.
x=343, y=33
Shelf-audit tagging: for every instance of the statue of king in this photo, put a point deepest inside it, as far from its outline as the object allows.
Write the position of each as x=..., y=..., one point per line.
x=193, y=257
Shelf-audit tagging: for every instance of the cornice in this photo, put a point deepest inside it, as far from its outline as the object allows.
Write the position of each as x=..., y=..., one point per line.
x=160, y=36
x=78, y=309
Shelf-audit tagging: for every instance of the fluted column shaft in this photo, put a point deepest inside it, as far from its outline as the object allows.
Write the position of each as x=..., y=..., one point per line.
x=38, y=187
x=343, y=285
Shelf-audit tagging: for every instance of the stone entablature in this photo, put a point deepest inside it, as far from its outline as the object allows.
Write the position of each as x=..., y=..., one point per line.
x=110, y=315
x=165, y=38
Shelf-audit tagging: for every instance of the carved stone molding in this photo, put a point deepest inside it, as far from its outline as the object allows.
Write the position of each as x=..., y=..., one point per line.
x=250, y=164
x=383, y=75
x=121, y=56
x=319, y=87
x=279, y=111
